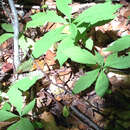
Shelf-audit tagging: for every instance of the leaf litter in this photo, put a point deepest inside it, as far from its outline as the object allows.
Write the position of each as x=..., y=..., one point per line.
x=101, y=110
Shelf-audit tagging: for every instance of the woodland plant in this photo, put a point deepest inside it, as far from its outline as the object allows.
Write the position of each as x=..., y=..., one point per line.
x=68, y=47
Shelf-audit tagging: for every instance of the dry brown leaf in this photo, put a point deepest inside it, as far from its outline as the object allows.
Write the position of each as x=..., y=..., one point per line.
x=7, y=67
x=49, y=58
x=5, y=44
x=38, y=64
x=65, y=72
x=127, y=13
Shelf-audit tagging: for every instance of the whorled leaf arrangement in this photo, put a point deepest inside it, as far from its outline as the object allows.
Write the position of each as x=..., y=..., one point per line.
x=113, y=61
x=68, y=48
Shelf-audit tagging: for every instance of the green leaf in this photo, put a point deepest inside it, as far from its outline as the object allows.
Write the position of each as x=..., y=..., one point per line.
x=28, y=107
x=89, y=44
x=121, y=62
x=100, y=58
x=22, y=124
x=52, y=16
x=80, y=55
x=25, y=83
x=25, y=66
x=66, y=43
x=38, y=15
x=85, y=81
x=104, y=12
x=7, y=27
x=5, y=37
x=62, y=5
x=38, y=20
x=65, y=111
x=37, y=124
x=41, y=18
x=73, y=30
x=120, y=44
x=42, y=45
x=108, y=0
x=25, y=43
x=16, y=99
x=102, y=84
x=49, y=16
x=83, y=27
x=5, y=115
x=6, y=106
x=15, y=96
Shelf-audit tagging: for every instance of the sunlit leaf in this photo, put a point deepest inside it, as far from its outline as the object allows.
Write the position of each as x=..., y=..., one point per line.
x=120, y=44
x=62, y=5
x=7, y=27
x=38, y=20
x=25, y=43
x=38, y=15
x=66, y=43
x=98, y=13
x=25, y=83
x=115, y=61
x=28, y=107
x=22, y=124
x=51, y=16
x=80, y=55
x=73, y=30
x=16, y=99
x=85, y=81
x=25, y=66
x=6, y=106
x=102, y=84
x=100, y=58
x=5, y=37
x=89, y=44
x=42, y=45
x=5, y=115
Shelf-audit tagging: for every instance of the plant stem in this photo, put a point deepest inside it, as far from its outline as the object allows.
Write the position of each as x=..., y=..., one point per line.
x=16, y=34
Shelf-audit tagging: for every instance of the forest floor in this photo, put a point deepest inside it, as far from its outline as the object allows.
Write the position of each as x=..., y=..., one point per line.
x=111, y=112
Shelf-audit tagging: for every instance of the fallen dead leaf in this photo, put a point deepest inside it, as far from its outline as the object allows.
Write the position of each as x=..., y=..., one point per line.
x=49, y=58
x=6, y=67
x=58, y=98
x=38, y=64
x=5, y=44
x=63, y=76
x=127, y=13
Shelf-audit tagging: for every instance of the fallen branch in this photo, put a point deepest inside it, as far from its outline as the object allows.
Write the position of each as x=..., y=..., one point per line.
x=84, y=118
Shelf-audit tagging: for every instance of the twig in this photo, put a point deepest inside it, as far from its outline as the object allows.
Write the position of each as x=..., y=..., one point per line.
x=85, y=119
x=16, y=35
